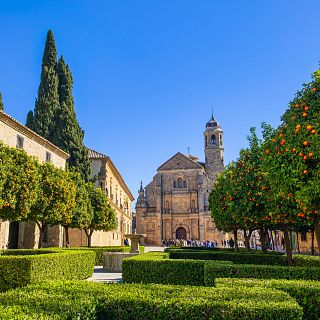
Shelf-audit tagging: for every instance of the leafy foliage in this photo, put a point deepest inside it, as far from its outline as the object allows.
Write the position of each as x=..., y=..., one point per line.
x=85, y=300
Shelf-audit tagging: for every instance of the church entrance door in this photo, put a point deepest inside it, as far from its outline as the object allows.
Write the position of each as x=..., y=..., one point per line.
x=181, y=233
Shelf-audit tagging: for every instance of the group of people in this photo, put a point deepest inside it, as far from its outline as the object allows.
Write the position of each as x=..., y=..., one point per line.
x=189, y=243
x=196, y=243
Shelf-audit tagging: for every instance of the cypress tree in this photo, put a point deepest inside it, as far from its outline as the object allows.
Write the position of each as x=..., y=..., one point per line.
x=68, y=134
x=1, y=103
x=47, y=102
x=29, y=121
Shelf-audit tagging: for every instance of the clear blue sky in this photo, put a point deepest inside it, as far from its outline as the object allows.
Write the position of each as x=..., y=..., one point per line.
x=146, y=73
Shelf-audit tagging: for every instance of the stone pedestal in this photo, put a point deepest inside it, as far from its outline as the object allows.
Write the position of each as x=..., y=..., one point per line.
x=135, y=240
x=112, y=261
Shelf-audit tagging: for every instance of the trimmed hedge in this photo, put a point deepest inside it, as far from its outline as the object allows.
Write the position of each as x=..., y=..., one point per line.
x=250, y=258
x=80, y=300
x=213, y=271
x=306, y=293
x=21, y=270
x=155, y=267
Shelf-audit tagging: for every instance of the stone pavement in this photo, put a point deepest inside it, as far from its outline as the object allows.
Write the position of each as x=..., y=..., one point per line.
x=99, y=275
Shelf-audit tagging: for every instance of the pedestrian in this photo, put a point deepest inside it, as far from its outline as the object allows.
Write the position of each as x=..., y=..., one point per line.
x=231, y=243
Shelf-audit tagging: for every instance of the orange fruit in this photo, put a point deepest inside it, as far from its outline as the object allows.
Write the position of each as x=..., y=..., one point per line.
x=267, y=151
x=314, y=89
x=306, y=108
x=309, y=127
x=281, y=134
x=287, y=149
x=310, y=154
x=305, y=143
x=313, y=131
x=294, y=150
x=304, y=114
x=305, y=158
x=298, y=126
x=305, y=171
x=282, y=142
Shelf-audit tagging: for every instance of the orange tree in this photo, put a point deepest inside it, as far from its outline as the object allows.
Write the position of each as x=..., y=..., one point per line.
x=19, y=179
x=56, y=199
x=82, y=211
x=292, y=160
x=223, y=202
x=103, y=215
x=240, y=198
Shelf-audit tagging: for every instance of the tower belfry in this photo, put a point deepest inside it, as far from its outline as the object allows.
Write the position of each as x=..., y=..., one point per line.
x=213, y=148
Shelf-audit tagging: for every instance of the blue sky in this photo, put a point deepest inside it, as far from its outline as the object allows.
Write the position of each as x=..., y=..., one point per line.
x=146, y=73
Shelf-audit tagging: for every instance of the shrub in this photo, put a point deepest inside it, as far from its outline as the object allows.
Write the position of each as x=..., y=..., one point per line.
x=306, y=293
x=155, y=268
x=213, y=271
x=306, y=261
x=250, y=258
x=80, y=300
x=20, y=270
x=219, y=249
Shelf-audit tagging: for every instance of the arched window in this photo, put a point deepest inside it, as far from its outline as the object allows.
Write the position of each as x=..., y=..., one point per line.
x=220, y=139
x=213, y=139
x=185, y=183
x=206, y=140
x=193, y=204
x=174, y=184
x=179, y=182
x=167, y=205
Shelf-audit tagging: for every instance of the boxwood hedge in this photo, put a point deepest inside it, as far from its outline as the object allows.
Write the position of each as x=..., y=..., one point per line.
x=306, y=293
x=80, y=300
x=155, y=267
x=21, y=269
x=213, y=271
x=253, y=258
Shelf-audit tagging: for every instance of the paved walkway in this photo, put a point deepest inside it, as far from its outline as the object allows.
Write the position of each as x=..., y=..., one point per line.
x=99, y=275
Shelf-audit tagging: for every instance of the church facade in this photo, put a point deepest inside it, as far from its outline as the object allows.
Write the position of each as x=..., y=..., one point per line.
x=175, y=204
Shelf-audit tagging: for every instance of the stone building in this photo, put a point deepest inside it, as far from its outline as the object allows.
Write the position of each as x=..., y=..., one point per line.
x=110, y=180
x=174, y=205
x=16, y=135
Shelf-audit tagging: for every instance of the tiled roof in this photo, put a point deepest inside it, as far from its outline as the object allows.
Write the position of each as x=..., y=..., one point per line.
x=96, y=154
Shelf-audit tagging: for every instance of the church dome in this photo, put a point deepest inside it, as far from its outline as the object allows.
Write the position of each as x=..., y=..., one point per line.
x=212, y=124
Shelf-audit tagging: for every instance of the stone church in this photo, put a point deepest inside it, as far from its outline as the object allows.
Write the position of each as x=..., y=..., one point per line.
x=175, y=204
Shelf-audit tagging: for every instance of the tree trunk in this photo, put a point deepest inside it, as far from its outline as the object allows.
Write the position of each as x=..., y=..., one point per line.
x=263, y=243
x=272, y=240
x=89, y=233
x=312, y=242
x=236, y=247
x=298, y=245
x=66, y=232
x=247, y=237
x=275, y=239
x=288, y=245
x=41, y=226
x=317, y=231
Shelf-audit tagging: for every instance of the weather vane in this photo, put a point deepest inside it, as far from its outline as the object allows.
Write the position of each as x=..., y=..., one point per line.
x=189, y=150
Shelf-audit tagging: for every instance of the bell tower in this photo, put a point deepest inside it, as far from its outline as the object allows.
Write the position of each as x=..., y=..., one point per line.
x=213, y=148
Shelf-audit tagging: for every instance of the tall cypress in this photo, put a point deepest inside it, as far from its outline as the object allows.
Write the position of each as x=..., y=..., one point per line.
x=47, y=103
x=68, y=134
x=1, y=103
x=29, y=121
